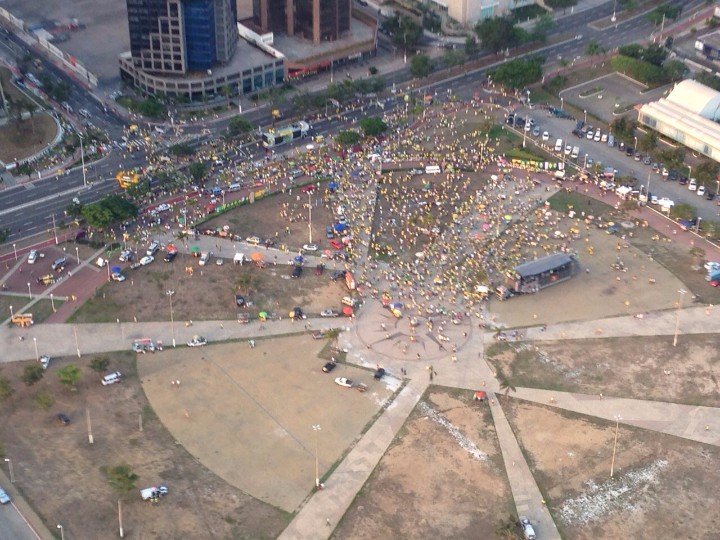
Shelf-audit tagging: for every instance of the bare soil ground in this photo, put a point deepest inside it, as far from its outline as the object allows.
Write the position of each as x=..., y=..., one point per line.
x=269, y=218
x=601, y=292
x=687, y=373
x=209, y=293
x=443, y=477
x=49, y=458
x=247, y=413
x=663, y=486
x=18, y=141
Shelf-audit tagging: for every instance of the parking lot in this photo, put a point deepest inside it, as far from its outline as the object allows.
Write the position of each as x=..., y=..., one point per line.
x=626, y=166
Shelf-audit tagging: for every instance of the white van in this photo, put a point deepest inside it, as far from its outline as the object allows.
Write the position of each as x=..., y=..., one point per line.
x=112, y=378
x=559, y=145
x=153, y=248
x=234, y=187
x=575, y=152
x=432, y=169
x=205, y=257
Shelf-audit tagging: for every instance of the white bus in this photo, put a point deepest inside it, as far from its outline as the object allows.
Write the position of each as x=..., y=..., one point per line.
x=298, y=130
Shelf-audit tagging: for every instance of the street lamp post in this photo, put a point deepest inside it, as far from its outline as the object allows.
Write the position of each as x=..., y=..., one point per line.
x=15, y=250
x=82, y=159
x=309, y=217
x=37, y=356
x=77, y=254
x=681, y=293
x=316, y=429
x=562, y=103
x=29, y=291
x=62, y=533
x=617, y=427
x=10, y=467
x=11, y=313
x=585, y=113
x=52, y=302
x=614, y=17
x=172, y=315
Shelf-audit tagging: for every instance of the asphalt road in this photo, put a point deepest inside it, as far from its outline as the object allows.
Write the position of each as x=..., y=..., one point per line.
x=13, y=526
x=28, y=209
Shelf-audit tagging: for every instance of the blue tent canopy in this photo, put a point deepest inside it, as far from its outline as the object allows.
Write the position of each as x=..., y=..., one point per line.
x=340, y=227
x=116, y=269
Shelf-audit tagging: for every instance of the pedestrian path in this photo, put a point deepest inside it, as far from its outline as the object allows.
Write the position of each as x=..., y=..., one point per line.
x=80, y=339
x=529, y=501
x=321, y=514
x=692, y=320
x=692, y=422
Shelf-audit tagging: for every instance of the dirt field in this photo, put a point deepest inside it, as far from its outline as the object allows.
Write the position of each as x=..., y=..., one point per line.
x=49, y=458
x=443, y=477
x=663, y=487
x=27, y=138
x=683, y=374
x=269, y=217
x=601, y=292
x=209, y=293
x=247, y=414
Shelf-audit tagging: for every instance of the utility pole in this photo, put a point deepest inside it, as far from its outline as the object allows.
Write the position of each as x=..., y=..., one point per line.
x=681, y=293
x=122, y=534
x=89, y=425
x=55, y=230
x=82, y=159
x=617, y=426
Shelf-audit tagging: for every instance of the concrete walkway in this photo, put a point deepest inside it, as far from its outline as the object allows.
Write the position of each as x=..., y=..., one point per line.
x=686, y=421
x=528, y=499
x=70, y=339
x=350, y=476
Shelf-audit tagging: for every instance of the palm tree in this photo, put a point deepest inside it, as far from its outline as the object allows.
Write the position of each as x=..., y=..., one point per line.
x=505, y=384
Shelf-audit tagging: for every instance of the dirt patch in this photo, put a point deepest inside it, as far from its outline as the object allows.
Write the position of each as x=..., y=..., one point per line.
x=683, y=374
x=663, y=486
x=59, y=472
x=246, y=411
x=19, y=140
x=282, y=217
x=442, y=477
x=209, y=293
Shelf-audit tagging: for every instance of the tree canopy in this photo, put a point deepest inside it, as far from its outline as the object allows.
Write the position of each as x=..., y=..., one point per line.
x=421, y=65
x=403, y=30
x=499, y=33
x=348, y=137
x=111, y=209
x=69, y=376
x=121, y=478
x=372, y=127
x=239, y=125
x=519, y=73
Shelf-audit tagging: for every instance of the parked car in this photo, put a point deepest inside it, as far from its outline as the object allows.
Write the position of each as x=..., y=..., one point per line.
x=63, y=419
x=545, y=136
x=117, y=276
x=336, y=244
x=126, y=256
x=112, y=378
x=379, y=373
x=296, y=272
x=153, y=248
x=701, y=191
x=310, y=247
x=692, y=186
x=197, y=341
x=527, y=529
x=329, y=313
x=170, y=257
x=329, y=366
x=146, y=260
x=344, y=382
x=33, y=256
x=253, y=240
x=153, y=493
x=4, y=497
x=45, y=361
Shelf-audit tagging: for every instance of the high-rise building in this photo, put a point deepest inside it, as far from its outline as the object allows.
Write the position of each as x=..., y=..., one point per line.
x=188, y=48
x=177, y=36
x=316, y=20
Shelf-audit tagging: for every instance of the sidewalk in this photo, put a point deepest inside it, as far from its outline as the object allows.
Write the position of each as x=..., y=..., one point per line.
x=529, y=501
x=331, y=503
x=686, y=421
x=69, y=339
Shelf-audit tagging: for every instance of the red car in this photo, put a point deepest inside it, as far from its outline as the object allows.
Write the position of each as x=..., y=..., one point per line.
x=336, y=244
x=309, y=188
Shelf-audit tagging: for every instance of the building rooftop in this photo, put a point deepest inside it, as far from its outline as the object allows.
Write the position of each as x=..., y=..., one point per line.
x=684, y=120
x=696, y=98
x=543, y=264
x=295, y=48
x=711, y=40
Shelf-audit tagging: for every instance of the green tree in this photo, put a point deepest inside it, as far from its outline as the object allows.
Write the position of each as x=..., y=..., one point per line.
x=239, y=125
x=152, y=108
x=44, y=400
x=498, y=33
x=471, y=46
x=632, y=50
x=453, y=58
x=119, y=207
x=121, y=478
x=69, y=376
x=544, y=24
x=594, y=48
x=683, y=211
x=372, y=127
x=519, y=73
x=673, y=158
x=506, y=386
x=32, y=374
x=6, y=390
x=74, y=209
x=648, y=142
x=99, y=364
x=197, y=170
x=674, y=70
x=421, y=66
x=623, y=128
x=708, y=79
x=97, y=216
x=706, y=172
x=181, y=149
x=347, y=138
x=404, y=31
x=560, y=4
x=663, y=12
x=655, y=54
